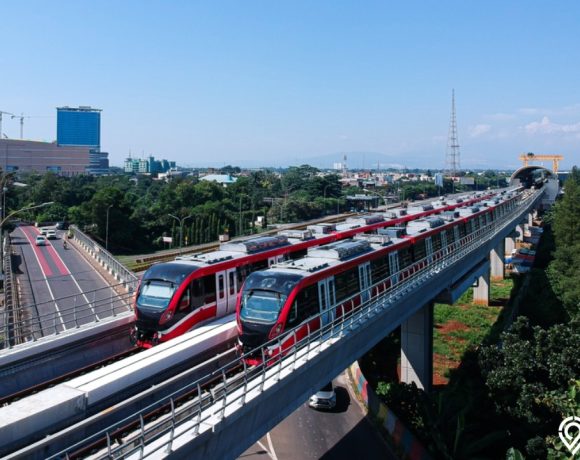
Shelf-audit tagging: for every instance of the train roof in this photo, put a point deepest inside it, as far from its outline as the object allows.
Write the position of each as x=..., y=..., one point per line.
x=284, y=238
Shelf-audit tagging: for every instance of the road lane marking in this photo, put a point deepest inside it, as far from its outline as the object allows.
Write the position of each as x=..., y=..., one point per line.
x=273, y=453
x=76, y=283
x=47, y=285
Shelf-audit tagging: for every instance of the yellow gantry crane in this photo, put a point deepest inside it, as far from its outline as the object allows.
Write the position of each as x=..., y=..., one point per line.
x=555, y=159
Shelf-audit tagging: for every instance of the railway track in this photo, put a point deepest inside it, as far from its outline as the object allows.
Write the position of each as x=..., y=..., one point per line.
x=9, y=399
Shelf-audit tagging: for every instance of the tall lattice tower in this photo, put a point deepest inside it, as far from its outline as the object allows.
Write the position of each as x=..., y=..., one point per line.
x=452, y=163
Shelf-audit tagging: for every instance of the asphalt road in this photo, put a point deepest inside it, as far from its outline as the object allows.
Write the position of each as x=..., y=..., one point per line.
x=345, y=433
x=62, y=289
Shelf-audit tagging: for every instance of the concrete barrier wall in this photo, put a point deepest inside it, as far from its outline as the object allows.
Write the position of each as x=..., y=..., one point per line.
x=403, y=439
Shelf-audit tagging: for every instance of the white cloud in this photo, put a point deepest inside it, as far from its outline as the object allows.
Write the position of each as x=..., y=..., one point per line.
x=545, y=126
x=479, y=130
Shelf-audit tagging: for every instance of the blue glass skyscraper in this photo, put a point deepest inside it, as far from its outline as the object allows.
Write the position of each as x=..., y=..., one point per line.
x=80, y=126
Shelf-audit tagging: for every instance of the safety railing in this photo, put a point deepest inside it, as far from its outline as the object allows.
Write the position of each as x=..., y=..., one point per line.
x=213, y=403
x=105, y=258
x=11, y=316
x=33, y=322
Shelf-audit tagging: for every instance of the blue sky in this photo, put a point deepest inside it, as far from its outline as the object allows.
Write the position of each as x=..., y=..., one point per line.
x=274, y=83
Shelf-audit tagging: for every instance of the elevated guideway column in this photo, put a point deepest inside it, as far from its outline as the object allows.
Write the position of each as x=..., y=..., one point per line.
x=417, y=348
x=497, y=261
x=510, y=243
x=481, y=289
x=520, y=232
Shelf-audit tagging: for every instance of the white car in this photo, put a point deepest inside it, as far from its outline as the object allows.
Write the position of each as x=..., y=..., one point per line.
x=44, y=230
x=51, y=234
x=323, y=399
x=40, y=240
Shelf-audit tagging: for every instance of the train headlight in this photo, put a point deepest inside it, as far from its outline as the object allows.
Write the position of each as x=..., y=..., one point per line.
x=166, y=316
x=276, y=331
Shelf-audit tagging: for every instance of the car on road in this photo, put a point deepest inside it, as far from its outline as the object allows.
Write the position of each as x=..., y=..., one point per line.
x=323, y=399
x=51, y=234
x=44, y=230
x=62, y=225
x=40, y=240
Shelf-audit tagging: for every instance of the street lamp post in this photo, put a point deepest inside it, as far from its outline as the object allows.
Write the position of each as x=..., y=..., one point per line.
x=324, y=203
x=240, y=230
x=107, y=228
x=3, y=221
x=181, y=221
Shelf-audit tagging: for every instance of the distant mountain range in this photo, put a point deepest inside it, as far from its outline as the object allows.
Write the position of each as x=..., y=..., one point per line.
x=354, y=160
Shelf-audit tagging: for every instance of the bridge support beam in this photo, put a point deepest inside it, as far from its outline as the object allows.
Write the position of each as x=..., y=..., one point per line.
x=481, y=290
x=520, y=232
x=497, y=261
x=417, y=348
x=510, y=244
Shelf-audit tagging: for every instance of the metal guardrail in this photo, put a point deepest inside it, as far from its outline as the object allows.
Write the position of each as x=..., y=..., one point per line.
x=209, y=408
x=106, y=259
x=11, y=300
x=66, y=313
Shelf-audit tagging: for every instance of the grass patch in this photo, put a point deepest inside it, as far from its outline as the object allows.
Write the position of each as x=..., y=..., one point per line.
x=465, y=326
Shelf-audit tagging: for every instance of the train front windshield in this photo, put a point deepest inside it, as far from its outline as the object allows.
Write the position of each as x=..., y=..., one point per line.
x=155, y=294
x=264, y=295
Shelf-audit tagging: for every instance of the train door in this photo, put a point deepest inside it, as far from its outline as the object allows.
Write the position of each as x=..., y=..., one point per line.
x=394, y=267
x=429, y=249
x=232, y=289
x=364, y=276
x=226, y=291
x=327, y=300
x=221, y=298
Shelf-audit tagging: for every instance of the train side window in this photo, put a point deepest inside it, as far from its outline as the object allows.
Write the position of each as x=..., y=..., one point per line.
x=232, y=283
x=419, y=250
x=405, y=258
x=197, y=293
x=346, y=284
x=242, y=274
x=221, y=292
x=307, y=301
x=436, y=239
x=184, y=302
x=379, y=269
x=293, y=315
x=209, y=288
x=258, y=265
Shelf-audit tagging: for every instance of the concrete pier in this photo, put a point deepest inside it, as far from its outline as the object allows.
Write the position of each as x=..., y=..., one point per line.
x=481, y=290
x=417, y=348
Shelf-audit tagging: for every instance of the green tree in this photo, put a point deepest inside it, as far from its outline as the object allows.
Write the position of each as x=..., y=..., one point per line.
x=564, y=271
x=529, y=364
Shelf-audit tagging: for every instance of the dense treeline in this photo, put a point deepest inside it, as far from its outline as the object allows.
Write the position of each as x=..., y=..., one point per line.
x=139, y=209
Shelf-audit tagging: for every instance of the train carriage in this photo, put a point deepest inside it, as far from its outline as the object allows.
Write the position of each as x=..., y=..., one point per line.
x=303, y=295
x=173, y=297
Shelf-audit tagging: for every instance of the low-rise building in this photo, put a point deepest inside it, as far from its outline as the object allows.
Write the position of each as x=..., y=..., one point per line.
x=41, y=157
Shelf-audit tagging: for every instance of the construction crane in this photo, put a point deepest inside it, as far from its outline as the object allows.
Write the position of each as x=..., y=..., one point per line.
x=21, y=117
x=555, y=159
x=3, y=113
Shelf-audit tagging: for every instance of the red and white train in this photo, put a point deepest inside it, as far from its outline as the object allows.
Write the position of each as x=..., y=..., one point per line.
x=174, y=297
x=305, y=294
